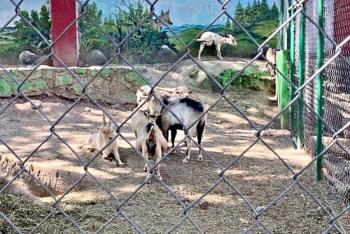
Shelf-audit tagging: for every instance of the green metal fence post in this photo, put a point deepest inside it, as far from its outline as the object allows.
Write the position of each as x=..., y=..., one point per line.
x=281, y=15
x=282, y=59
x=291, y=49
x=319, y=88
x=301, y=77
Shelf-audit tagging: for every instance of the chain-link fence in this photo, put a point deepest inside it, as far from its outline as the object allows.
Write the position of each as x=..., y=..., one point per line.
x=335, y=98
x=261, y=212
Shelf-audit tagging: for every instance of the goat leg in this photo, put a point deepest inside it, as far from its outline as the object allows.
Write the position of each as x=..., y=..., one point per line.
x=188, y=151
x=117, y=157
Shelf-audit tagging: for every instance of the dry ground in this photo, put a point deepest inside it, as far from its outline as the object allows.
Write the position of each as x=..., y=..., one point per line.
x=259, y=175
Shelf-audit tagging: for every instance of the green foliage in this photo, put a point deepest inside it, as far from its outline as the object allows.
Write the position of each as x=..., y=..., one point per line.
x=27, y=86
x=251, y=14
x=251, y=78
x=105, y=73
x=41, y=84
x=134, y=77
x=81, y=70
x=24, y=34
x=66, y=80
x=24, y=37
x=5, y=89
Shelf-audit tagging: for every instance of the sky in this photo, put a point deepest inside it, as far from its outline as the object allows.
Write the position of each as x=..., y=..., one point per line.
x=181, y=11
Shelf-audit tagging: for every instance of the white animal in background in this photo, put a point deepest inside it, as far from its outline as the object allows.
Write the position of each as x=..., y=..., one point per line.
x=100, y=139
x=210, y=38
x=151, y=143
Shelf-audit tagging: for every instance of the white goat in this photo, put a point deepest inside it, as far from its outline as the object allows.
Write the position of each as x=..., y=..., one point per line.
x=188, y=112
x=151, y=143
x=97, y=141
x=210, y=38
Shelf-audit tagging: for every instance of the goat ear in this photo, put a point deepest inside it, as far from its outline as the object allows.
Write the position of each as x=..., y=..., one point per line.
x=168, y=11
x=162, y=12
x=146, y=113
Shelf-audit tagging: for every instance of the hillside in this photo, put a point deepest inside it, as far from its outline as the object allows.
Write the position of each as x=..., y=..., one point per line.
x=246, y=48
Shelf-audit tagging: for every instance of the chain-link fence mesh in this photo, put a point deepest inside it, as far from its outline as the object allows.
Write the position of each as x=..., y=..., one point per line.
x=259, y=215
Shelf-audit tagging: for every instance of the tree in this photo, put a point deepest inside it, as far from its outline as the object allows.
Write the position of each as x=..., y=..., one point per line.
x=249, y=14
x=228, y=24
x=274, y=11
x=240, y=13
x=255, y=11
x=264, y=10
x=26, y=37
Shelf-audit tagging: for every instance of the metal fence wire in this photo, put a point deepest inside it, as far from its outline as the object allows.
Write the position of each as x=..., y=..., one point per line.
x=336, y=120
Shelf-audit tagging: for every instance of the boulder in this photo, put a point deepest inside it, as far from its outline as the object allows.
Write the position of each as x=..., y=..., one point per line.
x=166, y=54
x=27, y=57
x=96, y=57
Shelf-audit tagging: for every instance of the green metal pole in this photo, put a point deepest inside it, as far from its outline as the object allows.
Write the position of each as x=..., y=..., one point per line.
x=281, y=22
x=319, y=88
x=301, y=77
x=291, y=45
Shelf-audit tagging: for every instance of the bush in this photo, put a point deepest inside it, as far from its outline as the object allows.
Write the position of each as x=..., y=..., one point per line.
x=251, y=78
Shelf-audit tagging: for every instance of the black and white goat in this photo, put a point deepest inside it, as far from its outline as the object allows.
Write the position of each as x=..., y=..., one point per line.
x=188, y=112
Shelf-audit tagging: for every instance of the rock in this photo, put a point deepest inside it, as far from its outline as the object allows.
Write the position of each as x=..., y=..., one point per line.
x=201, y=76
x=87, y=109
x=167, y=51
x=33, y=104
x=166, y=55
x=96, y=57
x=260, y=208
x=27, y=57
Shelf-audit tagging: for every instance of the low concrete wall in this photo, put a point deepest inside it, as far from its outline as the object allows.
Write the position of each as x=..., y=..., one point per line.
x=115, y=84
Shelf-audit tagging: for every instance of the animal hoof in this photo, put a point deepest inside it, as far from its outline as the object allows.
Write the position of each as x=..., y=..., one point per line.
x=121, y=164
x=186, y=160
x=200, y=159
x=144, y=169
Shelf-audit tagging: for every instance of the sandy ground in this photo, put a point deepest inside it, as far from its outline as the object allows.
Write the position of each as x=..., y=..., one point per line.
x=259, y=175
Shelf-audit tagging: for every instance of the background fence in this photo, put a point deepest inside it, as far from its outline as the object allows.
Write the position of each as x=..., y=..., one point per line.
x=335, y=88
x=334, y=120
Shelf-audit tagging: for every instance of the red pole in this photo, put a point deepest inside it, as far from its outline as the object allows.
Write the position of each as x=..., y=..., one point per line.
x=63, y=13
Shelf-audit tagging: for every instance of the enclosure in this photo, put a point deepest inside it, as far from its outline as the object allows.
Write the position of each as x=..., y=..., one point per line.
x=271, y=165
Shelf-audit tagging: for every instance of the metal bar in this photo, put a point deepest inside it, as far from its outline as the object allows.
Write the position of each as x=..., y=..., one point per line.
x=319, y=88
x=291, y=45
x=301, y=77
x=281, y=36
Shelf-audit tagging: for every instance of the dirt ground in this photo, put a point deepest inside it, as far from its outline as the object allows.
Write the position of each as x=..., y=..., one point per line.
x=259, y=175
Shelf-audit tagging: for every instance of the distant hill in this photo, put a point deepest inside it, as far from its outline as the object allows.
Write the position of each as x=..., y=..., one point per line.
x=179, y=29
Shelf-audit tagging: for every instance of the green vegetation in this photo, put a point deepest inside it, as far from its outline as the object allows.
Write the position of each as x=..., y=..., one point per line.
x=134, y=77
x=66, y=80
x=5, y=89
x=81, y=70
x=24, y=37
x=251, y=78
x=139, y=47
x=41, y=84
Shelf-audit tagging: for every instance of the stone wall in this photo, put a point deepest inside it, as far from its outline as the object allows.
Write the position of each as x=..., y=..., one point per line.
x=115, y=84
